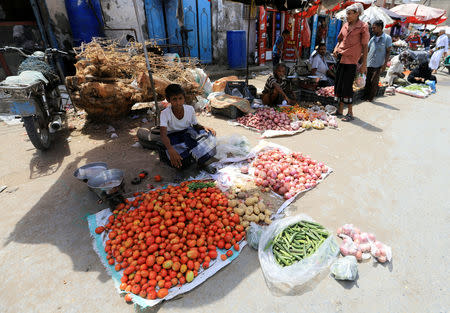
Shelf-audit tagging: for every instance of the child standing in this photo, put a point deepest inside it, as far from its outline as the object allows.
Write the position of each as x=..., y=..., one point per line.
x=182, y=135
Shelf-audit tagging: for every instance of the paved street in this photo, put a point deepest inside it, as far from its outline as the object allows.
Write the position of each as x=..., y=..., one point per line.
x=391, y=177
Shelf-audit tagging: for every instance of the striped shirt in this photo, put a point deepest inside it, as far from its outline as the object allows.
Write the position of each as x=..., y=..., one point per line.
x=269, y=87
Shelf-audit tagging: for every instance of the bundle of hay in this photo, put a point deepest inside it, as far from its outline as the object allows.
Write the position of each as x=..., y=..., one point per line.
x=109, y=79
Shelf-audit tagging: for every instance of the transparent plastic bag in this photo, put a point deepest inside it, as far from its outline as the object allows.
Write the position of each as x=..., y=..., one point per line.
x=432, y=85
x=345, y=268
x=288, y=280
x=236, y=93
x=201, y=104
x=381, y=252
x=232, y=146
x=360, y=80
x=254, y=235
x=362, y=245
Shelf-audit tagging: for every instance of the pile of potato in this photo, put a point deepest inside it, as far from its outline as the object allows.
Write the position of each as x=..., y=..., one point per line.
x=250, y=206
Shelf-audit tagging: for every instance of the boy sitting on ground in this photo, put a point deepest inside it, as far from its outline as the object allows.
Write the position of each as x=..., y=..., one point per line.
x=276, y=87
x=181, y=134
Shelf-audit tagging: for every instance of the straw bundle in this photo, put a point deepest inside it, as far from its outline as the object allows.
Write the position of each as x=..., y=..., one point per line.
x=109, y=79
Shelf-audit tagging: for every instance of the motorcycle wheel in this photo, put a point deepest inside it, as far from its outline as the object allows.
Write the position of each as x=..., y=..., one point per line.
x=39, y=135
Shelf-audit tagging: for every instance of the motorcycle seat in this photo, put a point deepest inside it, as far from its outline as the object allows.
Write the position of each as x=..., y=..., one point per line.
x=25, y=79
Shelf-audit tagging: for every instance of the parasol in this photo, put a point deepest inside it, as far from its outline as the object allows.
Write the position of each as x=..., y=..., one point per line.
x=370, y=15
x=392, y=14
x=420, y=14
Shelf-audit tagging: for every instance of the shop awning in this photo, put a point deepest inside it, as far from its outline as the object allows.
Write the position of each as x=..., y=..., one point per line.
x=287, y=5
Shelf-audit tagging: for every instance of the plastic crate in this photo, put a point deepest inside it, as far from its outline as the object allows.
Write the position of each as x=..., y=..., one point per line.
x=326, y=100
x=358, y=95
x=311, y=96
x=230, y=112
x=305, y=95
x=381, y=91
x=241, y=86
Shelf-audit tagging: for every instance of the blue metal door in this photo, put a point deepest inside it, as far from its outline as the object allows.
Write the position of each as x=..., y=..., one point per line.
x=190, y=22
x=204, y=30
x=155, y=20
x=173, y=29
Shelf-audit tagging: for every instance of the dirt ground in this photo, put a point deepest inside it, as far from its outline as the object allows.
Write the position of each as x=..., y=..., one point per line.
x=391, y=168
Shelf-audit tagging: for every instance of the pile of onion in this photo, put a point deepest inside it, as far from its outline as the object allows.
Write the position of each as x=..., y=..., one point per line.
x=287, y=174
x=267, y=119
x=362, y=244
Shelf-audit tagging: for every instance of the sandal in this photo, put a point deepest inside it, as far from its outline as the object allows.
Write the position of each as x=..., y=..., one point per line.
x=338, y=114
x=348, y=118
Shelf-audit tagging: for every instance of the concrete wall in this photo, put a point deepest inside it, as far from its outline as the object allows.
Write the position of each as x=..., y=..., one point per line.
x=120, y=14
x=60, y=21
x=117, y=14
x=226, y=16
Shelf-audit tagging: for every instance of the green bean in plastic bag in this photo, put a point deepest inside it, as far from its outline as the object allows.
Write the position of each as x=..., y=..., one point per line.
x=289, y=280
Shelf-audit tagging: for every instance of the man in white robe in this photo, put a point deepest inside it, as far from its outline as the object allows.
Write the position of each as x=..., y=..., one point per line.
x=440, y=49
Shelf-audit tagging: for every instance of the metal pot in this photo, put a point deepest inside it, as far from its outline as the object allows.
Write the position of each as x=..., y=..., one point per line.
x=90, y=170
x=107, y=183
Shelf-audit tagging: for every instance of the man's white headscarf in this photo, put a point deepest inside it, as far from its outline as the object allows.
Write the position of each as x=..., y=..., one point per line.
x=357, y=7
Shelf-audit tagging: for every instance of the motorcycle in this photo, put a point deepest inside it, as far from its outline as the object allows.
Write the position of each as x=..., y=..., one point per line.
x=34, y=95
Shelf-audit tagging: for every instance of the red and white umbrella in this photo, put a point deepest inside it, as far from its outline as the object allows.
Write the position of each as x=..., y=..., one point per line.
x=420, y=14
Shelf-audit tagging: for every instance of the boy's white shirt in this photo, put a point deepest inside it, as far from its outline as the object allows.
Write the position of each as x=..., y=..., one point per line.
x=173, y=124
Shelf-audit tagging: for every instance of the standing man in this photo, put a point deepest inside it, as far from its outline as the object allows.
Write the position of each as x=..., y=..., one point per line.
x=379, y=51
x=352, y=46
x=278, y=47
x=440, y=49
x=426, y=40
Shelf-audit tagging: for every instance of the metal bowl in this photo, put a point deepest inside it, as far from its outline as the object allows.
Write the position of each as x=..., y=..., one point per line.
x=90, y=170
x=106, y=181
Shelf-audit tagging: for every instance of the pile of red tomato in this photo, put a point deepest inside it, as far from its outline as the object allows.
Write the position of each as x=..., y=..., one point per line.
x=164, y=237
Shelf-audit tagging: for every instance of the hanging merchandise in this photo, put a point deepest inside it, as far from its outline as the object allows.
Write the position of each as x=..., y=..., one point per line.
x=306, y=34
x=292, y=25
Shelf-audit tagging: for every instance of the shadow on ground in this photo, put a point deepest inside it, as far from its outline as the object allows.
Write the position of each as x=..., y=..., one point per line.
x=45, y=163
x=367, y=126
x=385, y=105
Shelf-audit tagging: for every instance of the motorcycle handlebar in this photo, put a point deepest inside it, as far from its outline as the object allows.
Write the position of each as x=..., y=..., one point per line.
x=47, y=51
x=6, y=48
x=54, y=50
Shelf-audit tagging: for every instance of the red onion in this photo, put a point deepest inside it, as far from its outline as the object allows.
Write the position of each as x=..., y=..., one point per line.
x=287, y=174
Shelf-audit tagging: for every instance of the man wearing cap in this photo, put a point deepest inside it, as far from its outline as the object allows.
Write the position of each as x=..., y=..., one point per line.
x=351, y=47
